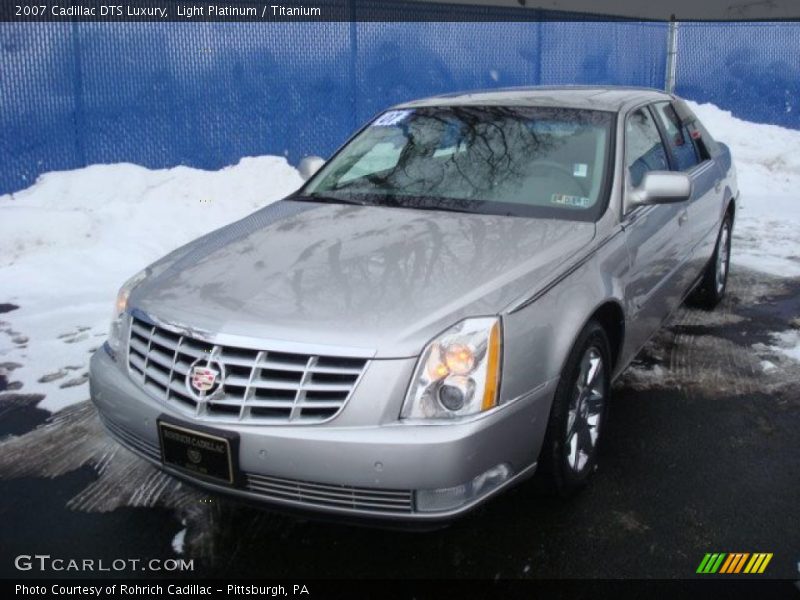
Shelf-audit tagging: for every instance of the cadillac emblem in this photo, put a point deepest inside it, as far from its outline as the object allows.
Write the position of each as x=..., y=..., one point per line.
x=204, y=378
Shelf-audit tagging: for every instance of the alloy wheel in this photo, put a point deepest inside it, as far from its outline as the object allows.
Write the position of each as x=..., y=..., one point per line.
x=585, y=411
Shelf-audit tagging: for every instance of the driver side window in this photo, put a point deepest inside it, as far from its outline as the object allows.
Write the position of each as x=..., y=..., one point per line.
x=644, y=150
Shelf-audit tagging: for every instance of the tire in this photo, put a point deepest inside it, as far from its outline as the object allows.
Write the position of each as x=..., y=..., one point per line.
x=712, y=286
x=578, y=414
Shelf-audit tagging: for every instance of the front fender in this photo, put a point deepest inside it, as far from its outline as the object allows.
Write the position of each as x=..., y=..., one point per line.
x=540, y=335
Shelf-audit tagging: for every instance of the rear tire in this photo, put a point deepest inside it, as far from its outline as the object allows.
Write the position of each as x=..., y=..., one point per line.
x=715, y=278
x=569, y=452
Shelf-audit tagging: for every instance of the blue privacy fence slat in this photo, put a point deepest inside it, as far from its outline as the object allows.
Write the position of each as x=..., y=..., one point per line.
x=206, y=94
x=619, y=53
x=402, y=61
x=751, y=69
x=37, y=102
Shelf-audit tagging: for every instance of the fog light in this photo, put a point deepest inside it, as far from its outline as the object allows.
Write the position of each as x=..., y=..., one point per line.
x=443, y=499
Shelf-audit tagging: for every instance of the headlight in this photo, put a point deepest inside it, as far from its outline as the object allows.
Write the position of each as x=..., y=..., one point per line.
x=120, y=307
x=458, y=373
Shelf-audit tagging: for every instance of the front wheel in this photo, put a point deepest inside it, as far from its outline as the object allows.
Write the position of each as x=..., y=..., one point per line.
x=577, y=417
x=715, y=279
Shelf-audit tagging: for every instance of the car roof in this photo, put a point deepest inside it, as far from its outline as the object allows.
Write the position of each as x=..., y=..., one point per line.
x=608, y=98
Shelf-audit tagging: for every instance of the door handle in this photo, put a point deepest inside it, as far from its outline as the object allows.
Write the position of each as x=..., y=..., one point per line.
x=683, y=217
x=717, y=185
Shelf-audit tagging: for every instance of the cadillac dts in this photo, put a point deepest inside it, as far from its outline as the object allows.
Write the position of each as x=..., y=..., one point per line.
x=435, y=315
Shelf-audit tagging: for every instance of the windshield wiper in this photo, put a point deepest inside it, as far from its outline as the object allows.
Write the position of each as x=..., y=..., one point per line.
x=435, y=207
x=328, y=199
x=409, y=202
x=432, y=203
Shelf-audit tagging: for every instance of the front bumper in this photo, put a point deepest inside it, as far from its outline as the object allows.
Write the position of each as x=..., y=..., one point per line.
x=350, y=471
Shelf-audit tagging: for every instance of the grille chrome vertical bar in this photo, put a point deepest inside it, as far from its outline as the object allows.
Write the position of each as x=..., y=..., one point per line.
x=300, y=395
x=248, y=390
x=175, y=355
x=147, y=354
x=201, y=409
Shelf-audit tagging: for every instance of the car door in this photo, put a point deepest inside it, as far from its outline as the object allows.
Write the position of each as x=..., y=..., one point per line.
x=704, y=205
x=656, y=236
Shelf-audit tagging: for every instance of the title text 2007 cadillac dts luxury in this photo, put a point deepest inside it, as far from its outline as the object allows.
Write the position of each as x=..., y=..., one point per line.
x=436, y=314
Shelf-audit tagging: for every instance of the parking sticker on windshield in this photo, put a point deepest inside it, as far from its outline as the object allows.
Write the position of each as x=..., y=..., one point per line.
x=392, y=117
x=580, y=169
x=575, y=201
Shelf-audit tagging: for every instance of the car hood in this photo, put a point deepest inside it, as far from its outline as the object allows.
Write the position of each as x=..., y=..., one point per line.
x=378, y=281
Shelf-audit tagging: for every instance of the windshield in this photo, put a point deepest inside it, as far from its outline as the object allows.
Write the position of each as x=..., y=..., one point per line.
x=522, y=161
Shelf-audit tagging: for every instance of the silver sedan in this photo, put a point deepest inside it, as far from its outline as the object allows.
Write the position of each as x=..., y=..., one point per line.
x=438, y=313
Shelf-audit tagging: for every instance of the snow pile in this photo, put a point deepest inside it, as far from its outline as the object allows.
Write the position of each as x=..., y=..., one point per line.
x=68, y=242
x=767, y=158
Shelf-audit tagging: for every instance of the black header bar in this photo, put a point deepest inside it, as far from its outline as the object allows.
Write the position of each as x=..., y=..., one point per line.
x=288, y=11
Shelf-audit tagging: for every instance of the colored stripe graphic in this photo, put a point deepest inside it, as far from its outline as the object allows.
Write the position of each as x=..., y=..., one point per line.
x=702, y=567
x=716, y=565
x=758, y=563
x=711, y=563
x=740, y=562
x=733, y=563
x=727, y=564
x=734, y=558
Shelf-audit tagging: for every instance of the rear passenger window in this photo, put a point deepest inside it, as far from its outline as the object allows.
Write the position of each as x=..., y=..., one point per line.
x=703, y=142
x=644, y=150
x=678, y=137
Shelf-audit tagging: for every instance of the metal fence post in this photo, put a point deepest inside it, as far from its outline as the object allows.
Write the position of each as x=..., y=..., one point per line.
x=672, y=55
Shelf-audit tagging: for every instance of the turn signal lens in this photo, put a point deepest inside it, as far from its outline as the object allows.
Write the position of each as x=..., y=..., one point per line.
x=492, y=369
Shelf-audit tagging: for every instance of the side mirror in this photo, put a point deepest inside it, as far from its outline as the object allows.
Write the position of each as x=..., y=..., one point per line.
x=310, y=165
x=661, y=187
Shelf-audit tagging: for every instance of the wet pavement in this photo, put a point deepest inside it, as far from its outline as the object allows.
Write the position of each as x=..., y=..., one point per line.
x=700, y=455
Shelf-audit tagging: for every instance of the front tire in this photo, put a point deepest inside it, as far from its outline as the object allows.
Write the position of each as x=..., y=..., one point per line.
x=715, y=279
x=577, y=417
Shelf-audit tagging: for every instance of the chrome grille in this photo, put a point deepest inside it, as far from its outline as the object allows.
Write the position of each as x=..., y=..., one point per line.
x=337, y=496
x=258, y=385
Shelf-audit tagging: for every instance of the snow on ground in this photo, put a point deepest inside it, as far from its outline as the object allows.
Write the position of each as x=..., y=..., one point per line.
x=178, y=541
x=787, y=343
x=767, y=157
x=68, y=243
